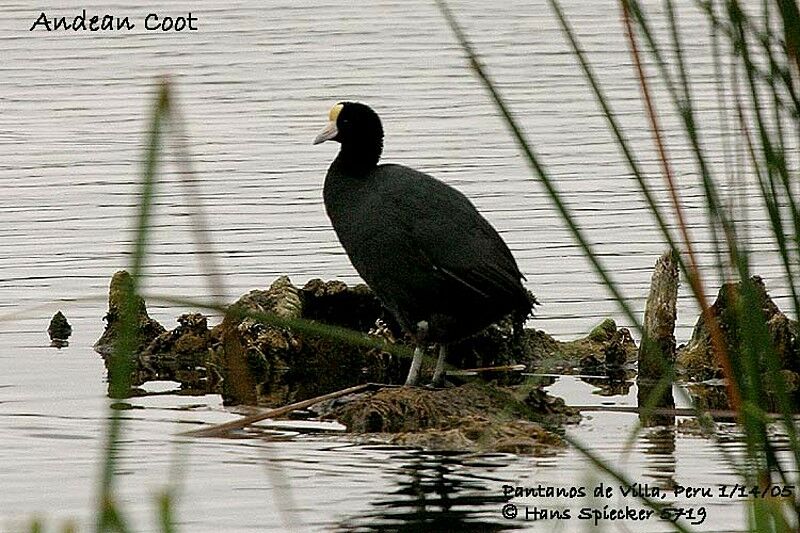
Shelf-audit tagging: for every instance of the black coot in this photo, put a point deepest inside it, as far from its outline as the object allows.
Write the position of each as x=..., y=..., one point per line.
x=423, y=248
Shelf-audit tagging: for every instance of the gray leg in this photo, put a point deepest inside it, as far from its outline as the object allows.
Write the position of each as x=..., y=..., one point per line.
x=413, y=372
x=439, y=373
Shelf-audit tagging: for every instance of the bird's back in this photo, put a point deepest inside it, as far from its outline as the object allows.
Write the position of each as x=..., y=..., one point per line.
x=424, y=250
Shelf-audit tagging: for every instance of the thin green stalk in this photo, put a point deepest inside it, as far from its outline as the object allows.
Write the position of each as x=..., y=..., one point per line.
x=756, y=338
x=771, y=204
x=541, y=173
x=783, y=70
x=774, y=152
x=756, y=435
x=777, y=101
x=202, y=236
x=555, y=197
x=715, y=209
x=718, y=341
x=773, y=161
x=758, y=347
x=109, y=517
x=616, y=129
x=775, y=156
x=622, y=142
x=166, y=518
x=735, y=178
x=694, y=278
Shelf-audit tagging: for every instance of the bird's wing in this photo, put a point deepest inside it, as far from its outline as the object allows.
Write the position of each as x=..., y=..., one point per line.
x=459, y=245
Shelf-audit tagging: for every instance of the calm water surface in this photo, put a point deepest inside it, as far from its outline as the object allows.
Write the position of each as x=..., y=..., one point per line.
x=255, y=84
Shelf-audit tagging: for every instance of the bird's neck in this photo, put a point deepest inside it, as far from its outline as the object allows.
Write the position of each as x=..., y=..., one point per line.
x=359, y=158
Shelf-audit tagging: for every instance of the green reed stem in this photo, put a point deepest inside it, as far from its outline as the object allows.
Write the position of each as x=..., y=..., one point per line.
x=538, y=168
x=109, y=517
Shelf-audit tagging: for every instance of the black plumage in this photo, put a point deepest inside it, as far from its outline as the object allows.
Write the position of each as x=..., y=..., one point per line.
x=427, y=253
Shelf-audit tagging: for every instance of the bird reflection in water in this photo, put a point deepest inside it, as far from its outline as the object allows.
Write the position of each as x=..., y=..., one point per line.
x=435, y=492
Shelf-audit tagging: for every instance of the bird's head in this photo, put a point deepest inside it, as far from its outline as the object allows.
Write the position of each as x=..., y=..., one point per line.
x=356, y=126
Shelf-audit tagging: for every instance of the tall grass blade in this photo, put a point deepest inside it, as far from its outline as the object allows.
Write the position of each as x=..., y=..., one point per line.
x=694, y=277
x=109, y=518
x=202, y=235
x=536, y=165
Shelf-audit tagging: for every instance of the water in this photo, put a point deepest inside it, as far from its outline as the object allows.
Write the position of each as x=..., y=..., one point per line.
x=255, y=84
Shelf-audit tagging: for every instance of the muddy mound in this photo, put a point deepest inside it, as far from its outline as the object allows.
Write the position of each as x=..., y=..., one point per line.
x=475, y=417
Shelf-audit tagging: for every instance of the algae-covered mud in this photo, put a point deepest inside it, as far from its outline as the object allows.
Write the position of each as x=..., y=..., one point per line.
x=255, y=361
x=471, y=417
x=258, y=356
x=258, y=362
x=696, y=362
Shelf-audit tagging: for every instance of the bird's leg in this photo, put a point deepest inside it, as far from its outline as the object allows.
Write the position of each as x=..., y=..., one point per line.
x=439, y=373
x=416, y=363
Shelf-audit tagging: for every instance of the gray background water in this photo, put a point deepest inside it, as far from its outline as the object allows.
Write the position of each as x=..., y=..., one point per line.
x=255, y=84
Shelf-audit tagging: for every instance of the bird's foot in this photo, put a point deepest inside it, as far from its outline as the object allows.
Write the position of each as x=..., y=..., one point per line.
x=437, y=382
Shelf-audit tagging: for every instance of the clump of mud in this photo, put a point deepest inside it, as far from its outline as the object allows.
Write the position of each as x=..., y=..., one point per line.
x=147, y=329
x=696, y=359
x=178, y=355
x=59, y=330
x=606, y=350
x=475, y=417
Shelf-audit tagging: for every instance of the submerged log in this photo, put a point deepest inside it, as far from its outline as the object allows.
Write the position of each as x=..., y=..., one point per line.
x=658, y=354
x=657, y=350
